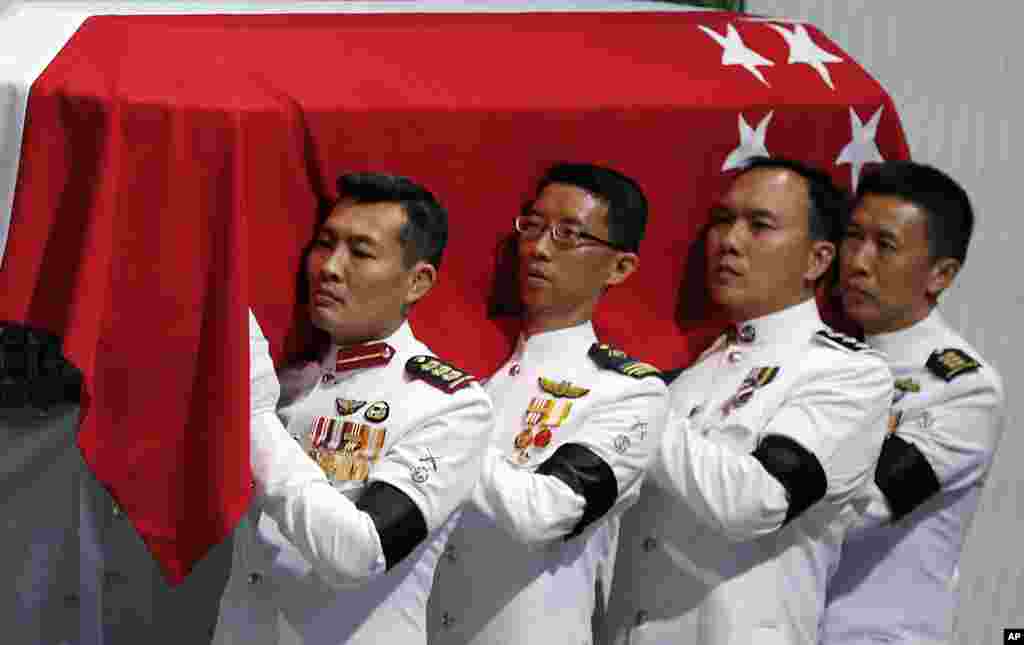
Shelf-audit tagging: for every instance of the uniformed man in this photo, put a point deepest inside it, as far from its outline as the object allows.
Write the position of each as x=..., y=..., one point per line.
x=372, y=448
x=770, y=434
x=906, y=242
x=576, y=424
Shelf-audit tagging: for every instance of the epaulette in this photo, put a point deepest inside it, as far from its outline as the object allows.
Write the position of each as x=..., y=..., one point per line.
x=950, y=363
x=442, y=375
x=842, y=341
x=610, y=358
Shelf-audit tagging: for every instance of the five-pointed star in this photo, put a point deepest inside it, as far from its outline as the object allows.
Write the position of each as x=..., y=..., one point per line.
x=804, y=50
x=862, y=148
x=751, y=143
x=736, y=52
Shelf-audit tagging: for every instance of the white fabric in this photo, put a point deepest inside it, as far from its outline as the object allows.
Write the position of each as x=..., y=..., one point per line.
x=308, y=565
x=509, y=576
x=897, y=582
x=702, y=557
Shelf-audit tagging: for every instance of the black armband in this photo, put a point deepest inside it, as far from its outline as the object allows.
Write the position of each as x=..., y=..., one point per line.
x=796, y=468
x=400, y=523
x=588, y=476
x=904, y=476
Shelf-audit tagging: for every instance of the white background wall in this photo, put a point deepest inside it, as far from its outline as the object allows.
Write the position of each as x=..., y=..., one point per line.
x=954, y=70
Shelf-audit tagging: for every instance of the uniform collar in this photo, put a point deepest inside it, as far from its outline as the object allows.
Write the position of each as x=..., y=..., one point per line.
x=568, y=341
x=913, y=343
x=400, y=340
x=797, y=321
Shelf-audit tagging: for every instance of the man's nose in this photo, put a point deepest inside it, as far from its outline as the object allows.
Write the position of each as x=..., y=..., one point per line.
x=333, y=266
x=857, y=258
x=733, y=235
x=542, y=246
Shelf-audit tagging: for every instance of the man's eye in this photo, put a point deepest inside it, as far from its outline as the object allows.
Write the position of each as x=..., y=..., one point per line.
x=323, y=243
x=567, y=232
x=761, y=224
x=361, y=253
x=887, y=245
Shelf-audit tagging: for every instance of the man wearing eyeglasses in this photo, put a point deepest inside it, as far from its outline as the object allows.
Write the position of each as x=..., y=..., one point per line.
x=576, y=423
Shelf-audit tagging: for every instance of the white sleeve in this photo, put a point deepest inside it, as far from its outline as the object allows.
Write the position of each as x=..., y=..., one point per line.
x=621, y=432
x=837, y=412
x=956, y=437
x=339, y=540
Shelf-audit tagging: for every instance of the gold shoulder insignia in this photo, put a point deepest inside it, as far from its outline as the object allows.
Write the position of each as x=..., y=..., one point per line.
x=562, y=388
x=442, y=375
x=610, y=358
x=950, y=363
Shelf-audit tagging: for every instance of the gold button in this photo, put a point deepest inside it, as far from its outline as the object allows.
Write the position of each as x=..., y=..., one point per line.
x=641, y=617
x=449, y=552
x=447, y=620
x=254, y=578
x=650, y=544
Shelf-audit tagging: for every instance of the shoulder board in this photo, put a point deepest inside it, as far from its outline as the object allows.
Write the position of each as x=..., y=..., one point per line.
x=442, y=375
x=842, y=341
x=610, y=358
x=950, y=363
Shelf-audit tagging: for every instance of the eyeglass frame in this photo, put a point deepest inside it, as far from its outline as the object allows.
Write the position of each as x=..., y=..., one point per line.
x=551, y=231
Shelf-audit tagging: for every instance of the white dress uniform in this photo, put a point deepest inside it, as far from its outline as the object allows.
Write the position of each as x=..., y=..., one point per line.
x=321, y=558
x=896, y=583
x=769, y=437
x=577, y=423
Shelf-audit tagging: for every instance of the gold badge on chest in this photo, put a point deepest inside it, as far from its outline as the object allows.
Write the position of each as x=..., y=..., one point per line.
x=541, y=417
x=345, y=450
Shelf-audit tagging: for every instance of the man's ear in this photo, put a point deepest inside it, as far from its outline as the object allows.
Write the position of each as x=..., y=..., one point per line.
x=421, y=279
x=941, y=276
x=819, y=260
x=624, y=266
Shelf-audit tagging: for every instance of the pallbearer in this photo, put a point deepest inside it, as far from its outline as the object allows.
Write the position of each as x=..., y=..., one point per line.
x=360, y=464
x=905, y=244
x=577, y=420
x=771, y=432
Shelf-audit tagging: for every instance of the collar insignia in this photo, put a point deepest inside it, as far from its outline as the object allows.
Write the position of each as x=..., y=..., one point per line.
x=372, y=355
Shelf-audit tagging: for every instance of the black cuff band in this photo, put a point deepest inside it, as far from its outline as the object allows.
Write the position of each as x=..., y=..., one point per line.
x=796, y=468
x=588, y=476
x=399, y=522
x=904, y=476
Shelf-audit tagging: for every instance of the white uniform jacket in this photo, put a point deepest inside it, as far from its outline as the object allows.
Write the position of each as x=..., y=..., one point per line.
x=896, y=581
x=577, y=423
x=769, y=437
x=343, y=549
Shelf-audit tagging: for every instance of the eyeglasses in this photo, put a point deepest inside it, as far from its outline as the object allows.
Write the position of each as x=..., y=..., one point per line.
x=563, y=234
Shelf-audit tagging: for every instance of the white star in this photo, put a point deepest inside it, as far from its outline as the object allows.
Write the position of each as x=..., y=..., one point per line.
x=736, y=52
x=751, y=143
x=862, y=148
x=804, y=50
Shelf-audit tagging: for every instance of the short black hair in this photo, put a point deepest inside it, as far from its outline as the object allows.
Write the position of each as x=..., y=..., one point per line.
x=950, y=218
x=829, y=204
x=425, y=231
x=627, y=205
